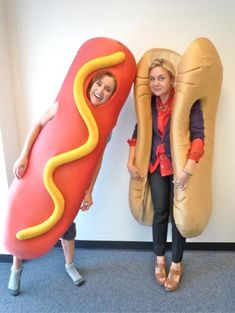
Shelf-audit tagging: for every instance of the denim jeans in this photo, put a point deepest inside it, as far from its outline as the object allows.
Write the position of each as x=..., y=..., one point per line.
x=162, y=191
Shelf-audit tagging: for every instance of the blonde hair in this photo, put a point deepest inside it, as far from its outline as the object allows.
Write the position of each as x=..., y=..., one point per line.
x=165, y=64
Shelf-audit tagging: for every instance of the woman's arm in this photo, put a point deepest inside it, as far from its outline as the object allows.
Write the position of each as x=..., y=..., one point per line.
x=134, y=172
x=88, y=201
x=21, y=163
x=182, y=179
x=196, y=151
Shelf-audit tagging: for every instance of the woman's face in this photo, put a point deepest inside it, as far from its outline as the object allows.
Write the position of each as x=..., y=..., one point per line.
x=101, y=90
x=160, y=82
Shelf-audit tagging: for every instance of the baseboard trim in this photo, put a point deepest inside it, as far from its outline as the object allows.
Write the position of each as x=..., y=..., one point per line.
x=143, y=245
x=5, y=258
x=139, y=245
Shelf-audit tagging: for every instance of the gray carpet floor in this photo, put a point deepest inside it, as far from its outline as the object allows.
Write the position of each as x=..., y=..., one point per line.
x=121, y=281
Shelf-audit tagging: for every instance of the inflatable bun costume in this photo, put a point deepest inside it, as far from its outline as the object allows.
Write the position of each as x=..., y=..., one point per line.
x=198, y=77
x=44, y=203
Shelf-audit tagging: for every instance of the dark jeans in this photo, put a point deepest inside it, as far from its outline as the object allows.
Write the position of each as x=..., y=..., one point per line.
x=162, y=191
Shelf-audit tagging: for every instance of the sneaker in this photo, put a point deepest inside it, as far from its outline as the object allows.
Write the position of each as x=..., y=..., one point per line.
x=72, y=271
x=14, y=281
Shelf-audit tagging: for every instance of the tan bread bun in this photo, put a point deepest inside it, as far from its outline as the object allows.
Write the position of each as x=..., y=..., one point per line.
x=140, y=201
x=199, y=76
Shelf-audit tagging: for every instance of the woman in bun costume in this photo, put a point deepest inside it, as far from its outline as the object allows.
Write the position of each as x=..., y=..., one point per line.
x=161, y=82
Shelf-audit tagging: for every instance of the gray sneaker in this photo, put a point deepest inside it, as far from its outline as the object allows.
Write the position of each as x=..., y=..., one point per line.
x=73, y=273
x=14, y=281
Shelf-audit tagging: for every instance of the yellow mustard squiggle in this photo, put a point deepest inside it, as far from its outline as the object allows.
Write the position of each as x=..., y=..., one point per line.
x=88, y=147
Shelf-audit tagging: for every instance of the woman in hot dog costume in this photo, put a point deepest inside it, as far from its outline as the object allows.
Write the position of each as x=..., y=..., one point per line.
x=62, y=155
x=163, y=112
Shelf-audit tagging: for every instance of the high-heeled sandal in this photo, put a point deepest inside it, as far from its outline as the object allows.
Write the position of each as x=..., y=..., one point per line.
x=160, y=272
x=173, y=279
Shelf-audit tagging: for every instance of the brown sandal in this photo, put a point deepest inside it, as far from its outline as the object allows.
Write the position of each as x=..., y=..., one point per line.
x=160, y=273
x=173, y=279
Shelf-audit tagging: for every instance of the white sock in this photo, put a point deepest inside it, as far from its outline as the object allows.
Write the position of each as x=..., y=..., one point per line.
x=72, y=271
x=14, y=281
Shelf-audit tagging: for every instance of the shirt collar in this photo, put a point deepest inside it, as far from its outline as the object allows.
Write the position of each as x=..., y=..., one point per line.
x=168, y=104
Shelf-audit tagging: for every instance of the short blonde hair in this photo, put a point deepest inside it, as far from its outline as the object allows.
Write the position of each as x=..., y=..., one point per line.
x=165, y=64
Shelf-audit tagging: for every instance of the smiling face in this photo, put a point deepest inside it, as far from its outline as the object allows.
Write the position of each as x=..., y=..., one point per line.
x=161, y=82
x=102, y=89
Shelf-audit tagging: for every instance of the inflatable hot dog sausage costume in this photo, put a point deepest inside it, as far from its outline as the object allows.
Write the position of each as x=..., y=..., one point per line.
x=44, y=203
x=198, y=76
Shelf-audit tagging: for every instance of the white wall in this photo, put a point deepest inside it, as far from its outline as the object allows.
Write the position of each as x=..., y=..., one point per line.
x=44, y=37
x=8, y=118
x=9, y=138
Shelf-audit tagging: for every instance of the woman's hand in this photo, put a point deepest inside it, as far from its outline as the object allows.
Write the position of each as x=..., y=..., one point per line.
x=20, y=167
x=181, y=180
x=134, y=172
x=87, y=202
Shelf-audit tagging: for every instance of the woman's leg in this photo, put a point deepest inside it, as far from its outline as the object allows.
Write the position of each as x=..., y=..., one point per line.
x=68, y=248
x=161, y=195
x=68, y=245
x=178, y=244
x=14, y=281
